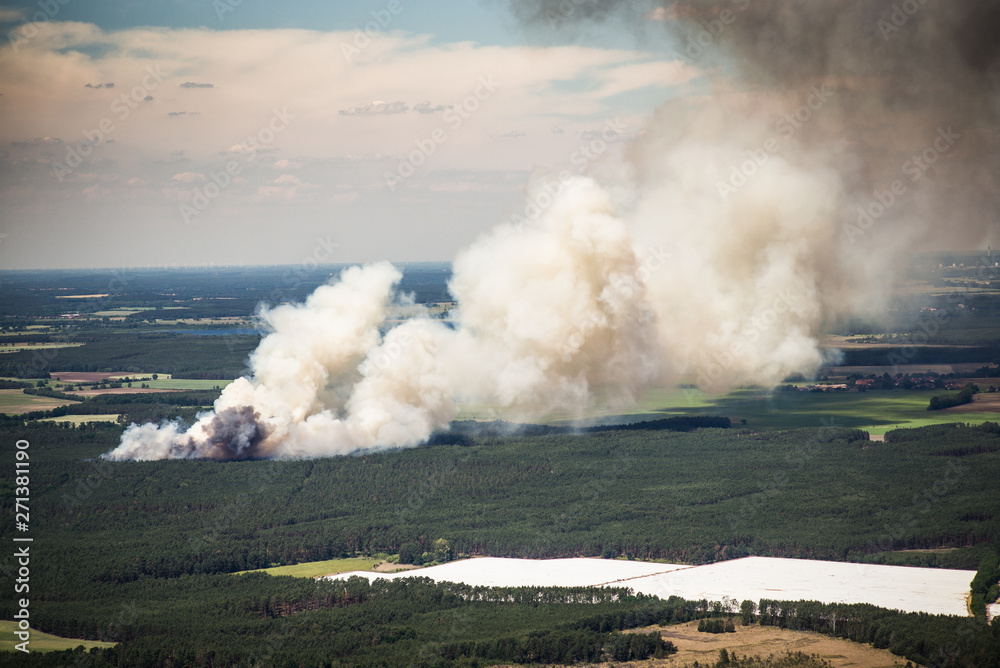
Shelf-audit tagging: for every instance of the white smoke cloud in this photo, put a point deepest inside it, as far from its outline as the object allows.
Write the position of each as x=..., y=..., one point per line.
x=716, y=252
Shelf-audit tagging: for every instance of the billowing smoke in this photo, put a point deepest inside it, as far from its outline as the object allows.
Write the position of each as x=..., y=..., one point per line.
x=772, y=197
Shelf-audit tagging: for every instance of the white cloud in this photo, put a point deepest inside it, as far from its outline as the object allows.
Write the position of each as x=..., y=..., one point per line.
x=415, y=86
x=375, y=108
x=188, y=177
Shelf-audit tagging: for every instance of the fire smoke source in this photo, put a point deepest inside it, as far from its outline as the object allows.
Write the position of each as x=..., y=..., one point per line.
x=821, y=142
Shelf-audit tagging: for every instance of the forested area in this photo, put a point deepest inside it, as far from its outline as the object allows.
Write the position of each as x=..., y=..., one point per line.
x=925, y=639
x=253, y=619
x=182, y=355
x=639, y=494
x=163, y=537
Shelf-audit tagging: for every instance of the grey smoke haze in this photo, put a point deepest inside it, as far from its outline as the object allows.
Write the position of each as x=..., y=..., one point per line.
x=771, y=199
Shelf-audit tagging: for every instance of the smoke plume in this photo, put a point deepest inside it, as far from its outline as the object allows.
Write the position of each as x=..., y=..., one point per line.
x=769, y=199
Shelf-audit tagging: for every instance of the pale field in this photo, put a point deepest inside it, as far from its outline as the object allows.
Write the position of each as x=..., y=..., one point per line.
x=80, y=419
x=988, y=402
x=932, y=590
x=18, y=347
x=43, y=642
x=754, y=640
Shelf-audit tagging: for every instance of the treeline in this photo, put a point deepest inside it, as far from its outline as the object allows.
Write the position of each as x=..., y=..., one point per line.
x=985, y=585
x=937, y=640
x=257, y=619
x=680, y=423
x=951, y=400
x=463, y=431
x=916, y=354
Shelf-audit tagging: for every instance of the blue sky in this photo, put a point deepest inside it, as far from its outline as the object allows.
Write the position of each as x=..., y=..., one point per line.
x=158, y=133
x=447, y=20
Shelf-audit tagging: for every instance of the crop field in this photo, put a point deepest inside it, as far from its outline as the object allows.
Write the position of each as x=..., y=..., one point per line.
x=16, y=401
x=43, y=642
x=763, y=641
x=315, y=569
x=18, y=347
x=873, y=411
x=81, y=419
x=184, y=384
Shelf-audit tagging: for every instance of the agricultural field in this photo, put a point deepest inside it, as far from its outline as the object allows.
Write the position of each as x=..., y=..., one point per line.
x=754, y=640
x=930, y=590
x=81, y=419
x=14, y=402
x=43, y=642
x=19, y=347
x=315, y=569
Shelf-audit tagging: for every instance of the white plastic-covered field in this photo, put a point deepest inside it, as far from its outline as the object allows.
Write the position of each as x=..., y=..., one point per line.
x=932, y=590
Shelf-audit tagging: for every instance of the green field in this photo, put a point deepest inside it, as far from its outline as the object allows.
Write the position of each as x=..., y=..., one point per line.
x=315, y=569
x=43, y=642
x=656, y=402
x=874, y=411
x=183, y=384
x=16, y=401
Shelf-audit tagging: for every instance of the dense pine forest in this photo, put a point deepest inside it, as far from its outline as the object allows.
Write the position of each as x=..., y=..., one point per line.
x=143, y=552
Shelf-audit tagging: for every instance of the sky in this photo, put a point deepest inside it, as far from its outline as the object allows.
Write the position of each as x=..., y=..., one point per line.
x=229, y=132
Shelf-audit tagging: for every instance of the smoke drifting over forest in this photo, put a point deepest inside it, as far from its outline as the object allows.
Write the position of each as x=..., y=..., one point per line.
x=770, y=198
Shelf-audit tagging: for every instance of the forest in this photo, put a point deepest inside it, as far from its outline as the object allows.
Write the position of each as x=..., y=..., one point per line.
x=146, y=553
x=161, y=539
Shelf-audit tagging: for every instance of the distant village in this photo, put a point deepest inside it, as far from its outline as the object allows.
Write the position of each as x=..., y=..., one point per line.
x=900, y=381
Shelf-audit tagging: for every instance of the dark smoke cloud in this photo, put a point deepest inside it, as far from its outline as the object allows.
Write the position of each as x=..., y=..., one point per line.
x=901, y=70
x=236, y=433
